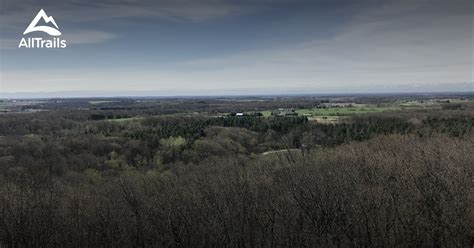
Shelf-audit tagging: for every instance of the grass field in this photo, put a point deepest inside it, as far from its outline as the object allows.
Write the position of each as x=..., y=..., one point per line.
x=346, y=111
x=266, y=113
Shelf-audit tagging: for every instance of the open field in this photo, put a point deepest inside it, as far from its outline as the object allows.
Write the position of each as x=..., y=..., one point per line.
x=337, y=114
x=346, y=111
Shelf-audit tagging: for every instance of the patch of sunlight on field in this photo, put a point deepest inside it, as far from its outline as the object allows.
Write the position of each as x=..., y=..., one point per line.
x=266, y=113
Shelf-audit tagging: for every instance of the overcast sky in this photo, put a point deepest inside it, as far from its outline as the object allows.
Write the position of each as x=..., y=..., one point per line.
x=240, y=47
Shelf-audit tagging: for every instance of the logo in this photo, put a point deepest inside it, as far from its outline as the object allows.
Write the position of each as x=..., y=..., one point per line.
x=47, y=19
x=38, y=42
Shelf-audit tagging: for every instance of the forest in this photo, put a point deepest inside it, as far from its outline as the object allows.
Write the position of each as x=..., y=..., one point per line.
x=183, y=173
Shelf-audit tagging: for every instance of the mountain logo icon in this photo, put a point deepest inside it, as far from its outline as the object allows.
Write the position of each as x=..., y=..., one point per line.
x=47, y=19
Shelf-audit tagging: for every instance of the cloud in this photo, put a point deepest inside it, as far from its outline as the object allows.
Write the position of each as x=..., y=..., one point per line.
x=13, y=12
x=144, y=83
x=88, y=37
x=391, y=44
x=8, y=43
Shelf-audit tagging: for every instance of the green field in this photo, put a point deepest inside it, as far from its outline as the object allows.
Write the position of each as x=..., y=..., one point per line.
x=266, y=113
x=346, y=111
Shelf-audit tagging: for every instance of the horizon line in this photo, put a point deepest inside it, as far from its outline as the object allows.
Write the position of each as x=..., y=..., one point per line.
x=80, y=94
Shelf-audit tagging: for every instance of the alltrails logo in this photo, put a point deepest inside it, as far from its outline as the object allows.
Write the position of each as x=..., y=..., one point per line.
x=37, y=42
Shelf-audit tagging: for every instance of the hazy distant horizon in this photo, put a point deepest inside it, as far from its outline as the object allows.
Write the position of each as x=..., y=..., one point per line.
x=218, y=93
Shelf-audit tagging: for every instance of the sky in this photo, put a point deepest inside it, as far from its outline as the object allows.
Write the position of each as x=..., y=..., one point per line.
x=225, y=47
